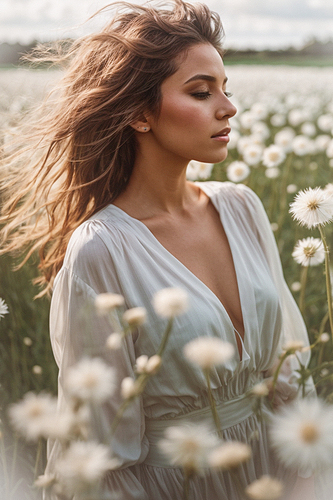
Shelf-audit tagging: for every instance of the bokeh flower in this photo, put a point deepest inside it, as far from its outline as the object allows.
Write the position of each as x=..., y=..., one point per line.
x=229, y=455
x=91, y=380
x=302, y=434
x=188, y=445
x=207, y=352
x=170, y=302
x=273, y=156
x=106, y=302
x=135, y=316
x=3, y=308
x=265, y=488
x=237, y=171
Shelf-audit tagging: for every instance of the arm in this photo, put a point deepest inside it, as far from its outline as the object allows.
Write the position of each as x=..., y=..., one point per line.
x=77, y=331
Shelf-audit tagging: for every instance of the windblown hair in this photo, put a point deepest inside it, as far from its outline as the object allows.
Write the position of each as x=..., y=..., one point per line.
x=79, y=154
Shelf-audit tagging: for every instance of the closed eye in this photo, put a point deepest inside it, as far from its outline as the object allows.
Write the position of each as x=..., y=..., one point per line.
x=201, y=95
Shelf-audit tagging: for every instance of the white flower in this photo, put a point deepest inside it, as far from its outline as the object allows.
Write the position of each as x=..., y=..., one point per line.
x=312, y=207
x=293, y=345
x=325, y=122
x=198, y=170
x=291, y=188
x=296, y=286
x=27, y=341
x=308, y=128
x=247, y=119
x=260, y=130
x=3, y=308
x=188, y=445
x=301, y=145
x=272, y=173
x=309, y=252
x=284, y=139
x=37, y=370
x=229, y=455
x=260, y=390
x=273, y=156
x=274, y=226
x=170, y=302
x=329, y=150
x=83, y=465
x=296, y=117
x=324, y=337
x=207, y=352
x=259, y=110
x=265, y=488
x=32, y=415
x=45, y=481
x=302, y=434
x=148, y=365
x=252, y=154
x=322, y=142
x=113, y=342
x=278, y=120
x=328, y=189
x=135, y=316
x=90, y=380
x=237, y=171
x=129, y=388
x=106, y=302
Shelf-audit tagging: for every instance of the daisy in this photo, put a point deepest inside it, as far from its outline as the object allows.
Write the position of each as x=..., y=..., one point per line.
x=309, y=252
x=106, y=302
x=32, y=415
x=301, y=145
x=284, y=139
x=302, y=434
x=3, y=308
x=252, y=154
x=237, y=171
x=83, y=465
x=170, y=302
x=273, y=156
x=135, y=316
x=207, y=352
x=265, y=488
x=312, y=207
x=229, y=455
x=90, y=380
x=188, y=445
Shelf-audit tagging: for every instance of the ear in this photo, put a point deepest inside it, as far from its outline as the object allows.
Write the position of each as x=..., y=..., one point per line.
x=141, y=125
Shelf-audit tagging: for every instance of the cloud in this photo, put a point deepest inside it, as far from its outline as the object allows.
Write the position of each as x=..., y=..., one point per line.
x=258, y=23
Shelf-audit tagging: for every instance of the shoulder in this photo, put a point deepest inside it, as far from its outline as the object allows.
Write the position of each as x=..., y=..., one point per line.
x=237, y=194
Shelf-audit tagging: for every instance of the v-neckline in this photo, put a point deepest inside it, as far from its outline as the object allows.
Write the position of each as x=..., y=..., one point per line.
x=210, y=291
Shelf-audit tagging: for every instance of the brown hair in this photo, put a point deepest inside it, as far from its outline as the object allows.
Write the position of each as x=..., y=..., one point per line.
x=82, y=149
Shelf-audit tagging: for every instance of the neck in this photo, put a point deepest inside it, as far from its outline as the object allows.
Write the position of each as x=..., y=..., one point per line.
x=157, y=185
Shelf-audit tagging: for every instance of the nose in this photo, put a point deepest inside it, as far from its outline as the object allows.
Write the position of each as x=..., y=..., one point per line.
x=226, y=109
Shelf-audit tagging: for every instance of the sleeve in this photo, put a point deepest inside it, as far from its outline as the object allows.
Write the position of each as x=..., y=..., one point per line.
x=76, y=330
x=293, y=326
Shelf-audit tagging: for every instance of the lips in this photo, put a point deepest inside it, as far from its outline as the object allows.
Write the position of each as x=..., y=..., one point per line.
x=222, y=133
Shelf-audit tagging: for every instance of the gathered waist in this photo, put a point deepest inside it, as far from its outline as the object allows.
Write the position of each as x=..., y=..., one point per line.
x=230, y=412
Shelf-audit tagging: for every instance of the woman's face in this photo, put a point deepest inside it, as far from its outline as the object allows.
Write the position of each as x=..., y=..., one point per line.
x=193, y=123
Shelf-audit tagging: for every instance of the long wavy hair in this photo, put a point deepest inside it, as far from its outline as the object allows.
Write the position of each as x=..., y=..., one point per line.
x=79, y=153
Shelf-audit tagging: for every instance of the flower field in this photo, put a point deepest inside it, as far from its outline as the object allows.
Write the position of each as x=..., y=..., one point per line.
x=281, y=144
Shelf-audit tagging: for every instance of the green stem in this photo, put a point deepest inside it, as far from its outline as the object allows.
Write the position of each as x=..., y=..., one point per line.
x=213, y=405
x=165, y=338
x=186, y=487
x=304, y=275
x=38, y=456
x=328, y=277
x=276, y=374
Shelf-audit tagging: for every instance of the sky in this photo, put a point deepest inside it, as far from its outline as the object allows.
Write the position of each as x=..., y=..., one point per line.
x=255, y=24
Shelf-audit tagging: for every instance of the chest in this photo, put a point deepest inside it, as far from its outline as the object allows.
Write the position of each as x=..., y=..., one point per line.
x=202, y=246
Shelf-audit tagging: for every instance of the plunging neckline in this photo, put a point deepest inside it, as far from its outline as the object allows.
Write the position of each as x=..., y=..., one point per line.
x=195, y=277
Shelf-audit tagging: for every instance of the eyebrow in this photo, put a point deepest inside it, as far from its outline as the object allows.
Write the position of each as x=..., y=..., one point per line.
x=208, y=78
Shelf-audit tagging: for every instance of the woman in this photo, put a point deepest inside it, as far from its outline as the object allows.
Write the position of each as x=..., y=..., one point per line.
x=106, y=202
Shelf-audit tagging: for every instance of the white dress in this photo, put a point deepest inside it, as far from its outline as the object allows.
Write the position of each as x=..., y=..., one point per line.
x=114, y=252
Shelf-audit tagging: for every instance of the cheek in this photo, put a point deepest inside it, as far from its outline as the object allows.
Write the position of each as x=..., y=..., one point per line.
x=177, y=113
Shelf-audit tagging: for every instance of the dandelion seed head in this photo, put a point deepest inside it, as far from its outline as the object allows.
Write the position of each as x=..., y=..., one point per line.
x=312, y=207
x=207, y=352
x=106, y=302
x=3, y=308
x=135, y=317
x=309, y=252
x=265, y=488
x=170, y=302
x=229, y=455
x=237, y=171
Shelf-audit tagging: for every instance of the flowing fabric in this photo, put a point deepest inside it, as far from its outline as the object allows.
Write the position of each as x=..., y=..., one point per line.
x=114, y=252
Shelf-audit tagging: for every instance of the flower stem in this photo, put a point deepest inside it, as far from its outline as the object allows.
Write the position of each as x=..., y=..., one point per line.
x=276, y=373
x=38, y=456
x=165, y=338
x=304, y=275
x=328, y=277
x=213, y=405
x=186, y=487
